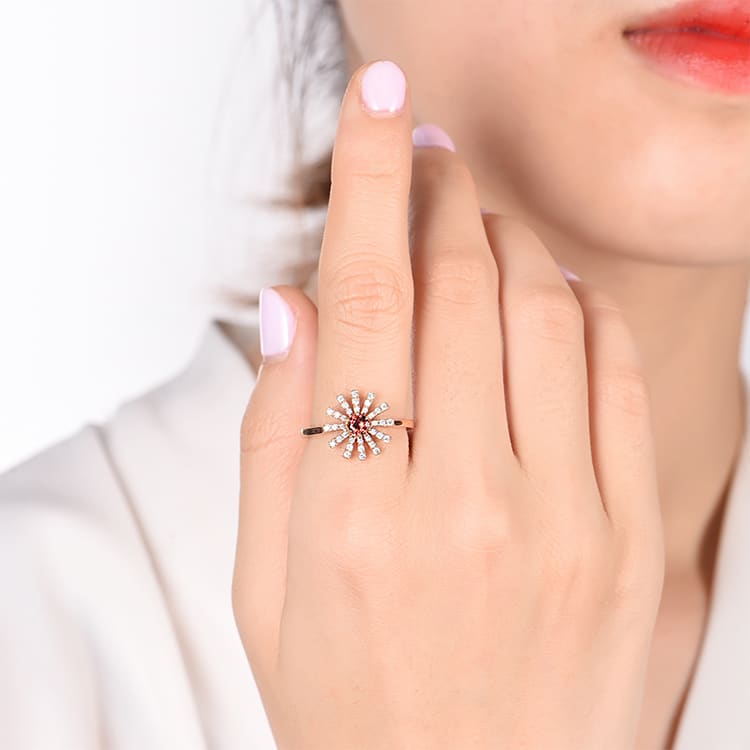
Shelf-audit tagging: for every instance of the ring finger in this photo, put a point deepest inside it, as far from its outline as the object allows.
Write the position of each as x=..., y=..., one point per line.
x=365, y=286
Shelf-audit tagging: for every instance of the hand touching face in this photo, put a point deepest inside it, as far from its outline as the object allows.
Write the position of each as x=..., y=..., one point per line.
x=491, y=579
x=564, y=126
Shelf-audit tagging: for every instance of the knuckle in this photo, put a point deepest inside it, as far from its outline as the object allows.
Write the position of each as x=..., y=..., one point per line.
x=633, y=587
x=625, y=389
x=359, y=544
x=359, y=537
x=460, y=277
x=373, y=170
x=263, y=429
x=379, y=181
x=550, y=312
x=640, y=566
x=599, y=302
x=572, y=559
x=510, y=232
x=605, y=310
x=440, y=166
x=369, y=297
x=372, y=164
x=479, y=527
x=474, y=515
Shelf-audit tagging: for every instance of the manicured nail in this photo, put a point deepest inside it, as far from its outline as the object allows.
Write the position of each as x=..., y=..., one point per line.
x=277, y=325
x=568, y=274
x=384, y=87
x=431, y=135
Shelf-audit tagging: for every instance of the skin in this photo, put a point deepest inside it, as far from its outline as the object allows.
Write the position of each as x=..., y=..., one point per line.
x=661, y=234
x=663, y=229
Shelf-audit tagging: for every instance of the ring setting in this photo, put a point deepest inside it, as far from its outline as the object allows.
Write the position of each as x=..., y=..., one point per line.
x=358, y=424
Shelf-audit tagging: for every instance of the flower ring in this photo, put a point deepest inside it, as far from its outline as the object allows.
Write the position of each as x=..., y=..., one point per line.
x=358, y=425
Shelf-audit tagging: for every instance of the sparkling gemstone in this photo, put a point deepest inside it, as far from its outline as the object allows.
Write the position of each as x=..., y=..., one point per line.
x=357, y=424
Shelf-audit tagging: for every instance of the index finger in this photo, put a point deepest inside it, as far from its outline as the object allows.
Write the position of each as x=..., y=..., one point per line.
x=365, y=285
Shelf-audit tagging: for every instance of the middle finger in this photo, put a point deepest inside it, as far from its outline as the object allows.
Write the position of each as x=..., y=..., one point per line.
x=458, y=352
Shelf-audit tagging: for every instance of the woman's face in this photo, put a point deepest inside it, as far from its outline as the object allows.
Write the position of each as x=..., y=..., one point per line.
x=563, y=124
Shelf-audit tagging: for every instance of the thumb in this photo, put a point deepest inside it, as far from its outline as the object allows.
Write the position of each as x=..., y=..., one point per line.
x=271, y=447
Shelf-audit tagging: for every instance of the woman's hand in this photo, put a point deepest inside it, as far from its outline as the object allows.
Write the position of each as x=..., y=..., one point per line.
x=492, y=579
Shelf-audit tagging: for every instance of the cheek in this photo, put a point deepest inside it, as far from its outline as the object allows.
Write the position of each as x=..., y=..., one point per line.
x=686, y=189
x=560, y=126
x=599, y=153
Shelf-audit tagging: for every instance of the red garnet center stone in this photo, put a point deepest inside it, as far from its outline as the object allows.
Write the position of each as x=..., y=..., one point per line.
x=357, y=424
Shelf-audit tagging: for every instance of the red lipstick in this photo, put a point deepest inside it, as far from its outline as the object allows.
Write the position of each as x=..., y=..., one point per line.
x=705, y=42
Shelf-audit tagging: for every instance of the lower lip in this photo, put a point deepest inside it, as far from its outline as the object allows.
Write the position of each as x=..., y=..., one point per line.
x=706, y=58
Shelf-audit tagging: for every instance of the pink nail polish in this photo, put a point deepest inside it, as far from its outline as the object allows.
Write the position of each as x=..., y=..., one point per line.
x=430, y=134
x=277, y=325
x=384, y=87
x=568, y=274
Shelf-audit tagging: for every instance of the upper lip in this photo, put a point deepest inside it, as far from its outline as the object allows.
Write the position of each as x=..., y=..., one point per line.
x=728, y=18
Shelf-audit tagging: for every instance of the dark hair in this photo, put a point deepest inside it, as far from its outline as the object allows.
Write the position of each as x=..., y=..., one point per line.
x=310, y=62
x=310, y=69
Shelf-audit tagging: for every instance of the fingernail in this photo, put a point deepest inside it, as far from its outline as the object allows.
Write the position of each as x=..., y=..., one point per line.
x=568, y=274
x=384, y=87
x=277, y=325
x=431, y=135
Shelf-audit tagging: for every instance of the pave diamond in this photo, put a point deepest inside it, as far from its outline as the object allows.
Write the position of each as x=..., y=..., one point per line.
x=358, y=425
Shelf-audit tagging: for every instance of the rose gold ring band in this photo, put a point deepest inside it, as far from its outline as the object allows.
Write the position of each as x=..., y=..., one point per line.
x=408, y=423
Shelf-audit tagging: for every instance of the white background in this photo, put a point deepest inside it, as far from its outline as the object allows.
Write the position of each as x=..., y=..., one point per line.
x=113, y=119
x=114, y=226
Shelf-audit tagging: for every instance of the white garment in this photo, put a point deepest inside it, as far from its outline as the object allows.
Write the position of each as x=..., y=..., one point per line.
x=116, y=558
